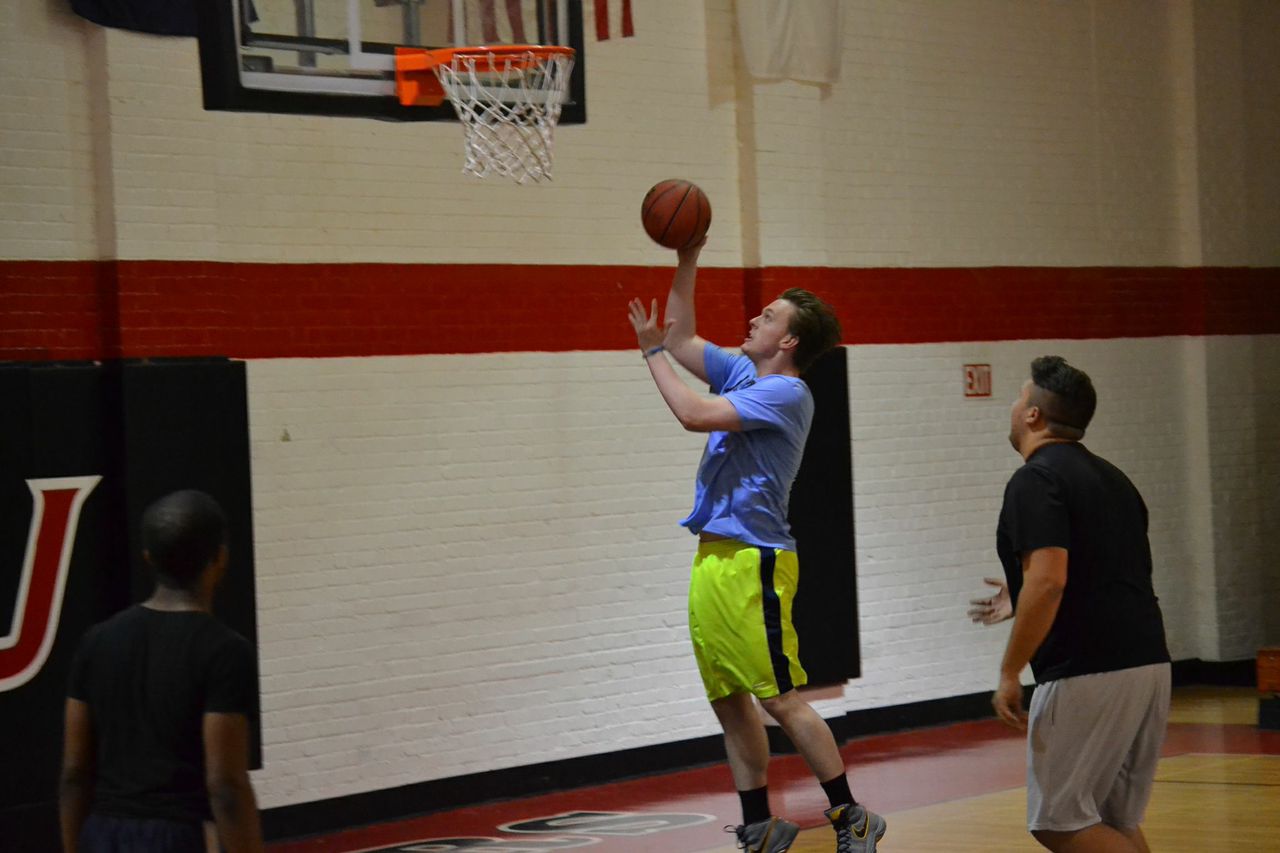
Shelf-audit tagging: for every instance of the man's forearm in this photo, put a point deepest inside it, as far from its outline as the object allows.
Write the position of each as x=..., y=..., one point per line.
x=681, y=314
x=235, y=812
x=1037, y=608
x=74, y=799
x=682, y=400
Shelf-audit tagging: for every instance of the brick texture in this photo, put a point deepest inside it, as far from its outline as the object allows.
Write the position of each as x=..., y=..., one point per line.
x=66, y=310
x=465, y=486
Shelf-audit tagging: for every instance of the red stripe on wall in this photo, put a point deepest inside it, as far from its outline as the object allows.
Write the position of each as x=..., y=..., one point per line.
x=898, y=306
x=54, y=310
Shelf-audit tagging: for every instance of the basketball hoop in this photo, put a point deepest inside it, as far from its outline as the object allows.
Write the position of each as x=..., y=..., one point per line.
x=507, y=97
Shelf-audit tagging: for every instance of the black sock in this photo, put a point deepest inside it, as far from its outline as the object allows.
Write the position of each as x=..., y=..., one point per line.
x=755, y=805
x=838, y=792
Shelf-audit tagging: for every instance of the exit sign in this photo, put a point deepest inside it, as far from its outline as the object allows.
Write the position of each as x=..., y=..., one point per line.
x=977, y=380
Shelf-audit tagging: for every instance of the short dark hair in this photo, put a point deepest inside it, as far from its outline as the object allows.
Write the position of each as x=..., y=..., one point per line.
x=814, y=323
x=1064, y=394
x=182, y=534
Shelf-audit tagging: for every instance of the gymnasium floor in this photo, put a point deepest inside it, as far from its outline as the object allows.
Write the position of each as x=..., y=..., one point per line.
x=950, y=789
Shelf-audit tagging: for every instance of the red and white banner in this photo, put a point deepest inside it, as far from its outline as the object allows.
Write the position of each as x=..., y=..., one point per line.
x=602, y=20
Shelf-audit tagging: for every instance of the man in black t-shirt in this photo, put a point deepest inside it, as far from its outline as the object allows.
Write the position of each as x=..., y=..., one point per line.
x=1072, y=539
x=157, y=728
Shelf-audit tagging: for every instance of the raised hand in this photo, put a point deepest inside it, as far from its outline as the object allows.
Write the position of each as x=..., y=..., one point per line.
x=648, y=333
x=689, y=254
x=997, y=608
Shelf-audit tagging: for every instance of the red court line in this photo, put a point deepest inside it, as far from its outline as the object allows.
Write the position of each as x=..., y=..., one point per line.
x=61, y=310
x=889, y=772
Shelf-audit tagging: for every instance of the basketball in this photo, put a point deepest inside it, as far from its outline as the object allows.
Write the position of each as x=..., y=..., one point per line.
x=676, y=213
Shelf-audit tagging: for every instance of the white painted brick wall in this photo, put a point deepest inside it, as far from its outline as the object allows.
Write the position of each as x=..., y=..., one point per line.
x=468, y=563
x=929, y=473
x=472, y=562
x=192, y=184
x=979, y=133
x=1244, y=456
x=47, y=181
x=1261, y=22
x=967, y=132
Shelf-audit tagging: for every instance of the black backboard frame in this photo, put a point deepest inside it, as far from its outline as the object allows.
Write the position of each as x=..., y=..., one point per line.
x=219, y=43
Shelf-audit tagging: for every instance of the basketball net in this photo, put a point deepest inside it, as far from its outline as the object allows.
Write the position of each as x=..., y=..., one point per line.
x=508, y=101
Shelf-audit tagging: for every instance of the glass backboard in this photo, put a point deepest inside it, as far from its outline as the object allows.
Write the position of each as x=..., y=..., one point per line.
x=337, y=57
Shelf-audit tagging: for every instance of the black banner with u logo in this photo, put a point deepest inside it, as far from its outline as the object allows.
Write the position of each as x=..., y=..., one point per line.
x=84, y=448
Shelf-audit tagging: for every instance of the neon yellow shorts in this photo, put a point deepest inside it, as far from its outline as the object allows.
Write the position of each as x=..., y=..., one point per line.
x=740, y=619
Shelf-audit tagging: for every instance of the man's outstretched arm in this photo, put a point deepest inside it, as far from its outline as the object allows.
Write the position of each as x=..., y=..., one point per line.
x=695, y=413
x=226, y=756
x=682, y=339
x=996, y=608
x=76, y=789
x=1044, y=578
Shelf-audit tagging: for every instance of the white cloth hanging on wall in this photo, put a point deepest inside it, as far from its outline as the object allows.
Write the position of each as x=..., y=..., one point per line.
x=791, y=39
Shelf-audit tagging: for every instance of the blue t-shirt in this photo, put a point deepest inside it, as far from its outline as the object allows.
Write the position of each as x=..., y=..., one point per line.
x=744, y=479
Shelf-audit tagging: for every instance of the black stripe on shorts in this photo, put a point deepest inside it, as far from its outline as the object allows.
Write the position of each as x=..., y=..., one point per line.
x=773, y=621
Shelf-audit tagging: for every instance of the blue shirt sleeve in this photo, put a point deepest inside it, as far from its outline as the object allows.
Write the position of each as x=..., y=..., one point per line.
x=725, y=369
x=774, y=402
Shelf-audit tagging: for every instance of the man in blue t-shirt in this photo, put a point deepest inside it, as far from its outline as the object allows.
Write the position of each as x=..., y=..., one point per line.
x=745, y=573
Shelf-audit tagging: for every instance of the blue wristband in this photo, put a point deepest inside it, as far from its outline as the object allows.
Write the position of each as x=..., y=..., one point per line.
x=654, y=351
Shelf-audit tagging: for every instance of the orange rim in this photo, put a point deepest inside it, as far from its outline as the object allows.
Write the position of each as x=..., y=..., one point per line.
x=416, y=82
x=422, y=59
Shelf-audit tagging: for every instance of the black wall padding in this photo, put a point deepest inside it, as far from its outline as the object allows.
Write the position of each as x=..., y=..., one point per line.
x=147, y=428
x=825, y=611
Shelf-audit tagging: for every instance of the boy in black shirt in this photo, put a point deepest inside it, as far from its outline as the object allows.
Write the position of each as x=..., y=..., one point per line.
x=157, y=730
x=1072, y=539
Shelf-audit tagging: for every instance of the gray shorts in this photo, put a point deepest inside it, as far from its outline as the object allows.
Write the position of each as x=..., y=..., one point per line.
x=1092, y=746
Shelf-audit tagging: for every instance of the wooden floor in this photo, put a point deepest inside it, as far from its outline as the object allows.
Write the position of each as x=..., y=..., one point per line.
x=1206, y=803
x=1222, y=705
x=952, y=789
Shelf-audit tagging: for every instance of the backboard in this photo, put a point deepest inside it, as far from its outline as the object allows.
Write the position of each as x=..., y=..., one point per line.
x=337, y=57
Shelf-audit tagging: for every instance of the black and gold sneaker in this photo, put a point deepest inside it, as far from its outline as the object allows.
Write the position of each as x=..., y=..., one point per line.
x=765, y=836
x=857, y=830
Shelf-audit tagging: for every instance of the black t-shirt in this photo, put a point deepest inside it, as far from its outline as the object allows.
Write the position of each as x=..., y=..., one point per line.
x=1109, y=617
x=149, y=677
